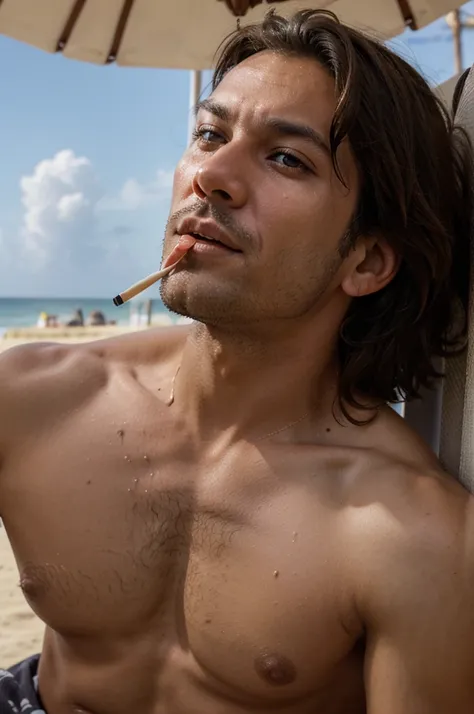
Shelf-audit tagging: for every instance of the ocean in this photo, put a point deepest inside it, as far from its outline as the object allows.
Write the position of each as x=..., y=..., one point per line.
x=24, y=312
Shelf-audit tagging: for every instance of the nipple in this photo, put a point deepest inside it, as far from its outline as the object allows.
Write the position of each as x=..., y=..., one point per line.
x=275, y=669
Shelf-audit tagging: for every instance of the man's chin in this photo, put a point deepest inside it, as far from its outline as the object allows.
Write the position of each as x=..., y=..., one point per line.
x=196, y=305
x=176, y=299
x=174, y=303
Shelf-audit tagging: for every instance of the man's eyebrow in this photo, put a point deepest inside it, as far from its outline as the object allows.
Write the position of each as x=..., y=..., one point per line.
x=283, y=127
x=213, y=107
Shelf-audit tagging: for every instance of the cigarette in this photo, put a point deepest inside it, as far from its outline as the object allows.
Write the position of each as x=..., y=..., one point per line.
x=144, y=284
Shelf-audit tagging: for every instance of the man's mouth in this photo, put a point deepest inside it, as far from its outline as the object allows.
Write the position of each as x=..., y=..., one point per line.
x=204, y=242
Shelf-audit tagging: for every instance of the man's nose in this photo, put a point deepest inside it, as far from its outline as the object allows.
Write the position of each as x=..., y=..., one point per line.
x=218, y=181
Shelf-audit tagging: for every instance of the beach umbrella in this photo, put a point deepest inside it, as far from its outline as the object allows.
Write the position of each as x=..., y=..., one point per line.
x=182, y=34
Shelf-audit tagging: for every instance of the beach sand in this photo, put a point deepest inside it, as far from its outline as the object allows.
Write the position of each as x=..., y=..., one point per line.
x=21, y=632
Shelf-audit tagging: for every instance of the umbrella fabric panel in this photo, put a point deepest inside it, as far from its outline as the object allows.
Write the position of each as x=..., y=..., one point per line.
x=38, y=23
x=156, y=37
x=177, y=33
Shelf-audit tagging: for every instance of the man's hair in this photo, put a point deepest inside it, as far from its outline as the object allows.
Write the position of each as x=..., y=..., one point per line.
x=415, y=170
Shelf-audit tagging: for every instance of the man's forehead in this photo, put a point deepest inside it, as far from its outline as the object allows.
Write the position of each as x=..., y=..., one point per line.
x=272, y=83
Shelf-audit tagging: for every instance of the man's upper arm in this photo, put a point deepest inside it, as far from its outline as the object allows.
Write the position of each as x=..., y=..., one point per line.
x=426, y=665
x=418, y=607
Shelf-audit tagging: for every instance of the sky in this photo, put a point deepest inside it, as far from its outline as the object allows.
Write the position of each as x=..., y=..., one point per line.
x=87, y=156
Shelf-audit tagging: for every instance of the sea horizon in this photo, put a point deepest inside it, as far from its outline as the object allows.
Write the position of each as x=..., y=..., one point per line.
x=24, y=311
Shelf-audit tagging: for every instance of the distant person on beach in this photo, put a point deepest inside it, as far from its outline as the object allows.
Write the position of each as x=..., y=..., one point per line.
x=77, y=319
x=96, y=319
x=45, y=320
x=42, y=320
x=225, y=517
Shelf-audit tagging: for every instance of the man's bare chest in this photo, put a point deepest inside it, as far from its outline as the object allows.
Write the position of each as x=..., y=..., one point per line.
x=117, y=530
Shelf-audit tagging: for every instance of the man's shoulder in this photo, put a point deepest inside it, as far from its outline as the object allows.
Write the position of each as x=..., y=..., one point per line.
x=435, y=492
x=25, y=364
x=405, y=488
x=39, y=381
x=397, y=481
x=410, y=564
x=412, y=537
x=414, y=503
x=37, y=360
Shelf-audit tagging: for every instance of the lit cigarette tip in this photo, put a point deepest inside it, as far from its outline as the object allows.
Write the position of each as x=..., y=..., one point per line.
x=118, y=301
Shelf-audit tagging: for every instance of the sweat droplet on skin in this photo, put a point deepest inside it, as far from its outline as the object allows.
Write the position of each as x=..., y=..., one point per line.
x=276, y=573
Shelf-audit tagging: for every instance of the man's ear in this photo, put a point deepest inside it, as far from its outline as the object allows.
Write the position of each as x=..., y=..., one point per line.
x=370, y=267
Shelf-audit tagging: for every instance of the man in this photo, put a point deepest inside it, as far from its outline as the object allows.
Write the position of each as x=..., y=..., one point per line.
x=226, y=518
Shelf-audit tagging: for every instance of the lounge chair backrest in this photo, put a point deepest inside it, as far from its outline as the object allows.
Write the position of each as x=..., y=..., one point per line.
x=456, y=445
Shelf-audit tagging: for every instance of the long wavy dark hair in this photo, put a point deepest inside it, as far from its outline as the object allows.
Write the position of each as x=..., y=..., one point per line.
x=416, y=179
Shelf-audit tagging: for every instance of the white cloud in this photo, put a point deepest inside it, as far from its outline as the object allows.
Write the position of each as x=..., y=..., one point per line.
x=61, y=190
x=70, y=242
x=134, y=195
x=66, y=244
x=70, y=206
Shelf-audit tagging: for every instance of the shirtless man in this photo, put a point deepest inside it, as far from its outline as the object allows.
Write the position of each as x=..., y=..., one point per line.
x=223, y=518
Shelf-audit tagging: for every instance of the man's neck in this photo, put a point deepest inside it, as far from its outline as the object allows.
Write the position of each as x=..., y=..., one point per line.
x=239, y=384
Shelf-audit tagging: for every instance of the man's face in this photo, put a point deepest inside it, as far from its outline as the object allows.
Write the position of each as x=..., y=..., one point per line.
x=260, y=172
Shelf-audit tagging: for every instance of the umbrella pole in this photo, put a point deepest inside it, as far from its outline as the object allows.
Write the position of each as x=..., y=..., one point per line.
x=194, y=96
x=457, y=37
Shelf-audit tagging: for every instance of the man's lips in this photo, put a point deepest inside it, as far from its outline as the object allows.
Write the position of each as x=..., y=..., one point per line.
x=204, y=246
x=187, y=243
x=205, y=229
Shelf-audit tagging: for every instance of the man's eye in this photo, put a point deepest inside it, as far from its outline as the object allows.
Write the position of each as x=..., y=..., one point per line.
x=289, y=161
x=207, y=136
